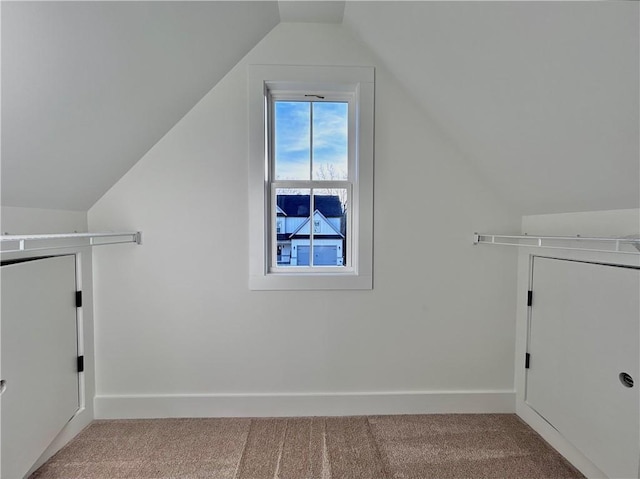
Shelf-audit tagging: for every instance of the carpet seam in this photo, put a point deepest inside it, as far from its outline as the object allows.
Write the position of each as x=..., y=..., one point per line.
x=310, y=450
x=283, y=440
x=244, y=450
x=325, y=452
x=377, y=450
x=326, y=456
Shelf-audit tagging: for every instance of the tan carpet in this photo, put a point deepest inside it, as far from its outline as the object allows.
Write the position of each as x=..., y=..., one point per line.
x=375, y=447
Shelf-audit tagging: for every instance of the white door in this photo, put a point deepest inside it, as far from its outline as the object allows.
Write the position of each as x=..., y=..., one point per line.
x=584, y=335
x=38, y=359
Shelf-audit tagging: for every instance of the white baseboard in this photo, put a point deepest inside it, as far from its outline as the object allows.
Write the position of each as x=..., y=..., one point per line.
x=302, y=404
x=77, y=423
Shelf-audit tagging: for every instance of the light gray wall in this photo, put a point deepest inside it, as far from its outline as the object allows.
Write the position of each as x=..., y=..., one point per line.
x=18, y=220
x=179, y=333
x=609, y=223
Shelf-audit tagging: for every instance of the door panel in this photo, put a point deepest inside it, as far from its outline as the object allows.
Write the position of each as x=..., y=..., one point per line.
x=38, y=360
x=324, y=255
x=583, y=333
x=303, y=255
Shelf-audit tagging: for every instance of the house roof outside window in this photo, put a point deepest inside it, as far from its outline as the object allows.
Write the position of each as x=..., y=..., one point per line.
x=298, y=205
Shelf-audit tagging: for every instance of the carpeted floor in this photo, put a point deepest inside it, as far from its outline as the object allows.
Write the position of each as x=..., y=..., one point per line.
x=374, y=447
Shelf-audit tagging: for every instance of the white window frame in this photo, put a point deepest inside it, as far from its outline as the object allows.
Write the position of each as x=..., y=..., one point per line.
x=278, y=80
x=274, y=95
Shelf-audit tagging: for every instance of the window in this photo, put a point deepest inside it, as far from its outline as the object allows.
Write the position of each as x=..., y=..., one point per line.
x=309, y=161
x=311, y=175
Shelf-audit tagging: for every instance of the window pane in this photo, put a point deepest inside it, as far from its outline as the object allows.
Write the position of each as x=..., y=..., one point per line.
x=291, y=215
x=292, y=140
x=329, y=227
x=311, y=227
x=330, y=140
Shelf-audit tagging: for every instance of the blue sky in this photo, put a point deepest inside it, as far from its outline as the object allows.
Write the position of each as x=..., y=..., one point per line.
x=292, y=142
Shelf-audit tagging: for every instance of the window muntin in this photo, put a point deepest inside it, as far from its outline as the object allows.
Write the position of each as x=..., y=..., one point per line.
x=309, y=165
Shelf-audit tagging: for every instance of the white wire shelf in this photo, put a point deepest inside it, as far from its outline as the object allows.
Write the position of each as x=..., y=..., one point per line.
x=39, y=242
x=623, y=245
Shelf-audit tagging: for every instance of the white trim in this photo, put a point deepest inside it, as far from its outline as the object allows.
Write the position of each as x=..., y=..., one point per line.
x=303, y=404
x=310, y=281
x=558, y=442
x=359, y=80
x=81, y=419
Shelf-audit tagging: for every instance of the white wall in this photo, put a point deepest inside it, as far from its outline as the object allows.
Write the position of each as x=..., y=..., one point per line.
x=17, y=220
x=612, y=223
x=178, y=333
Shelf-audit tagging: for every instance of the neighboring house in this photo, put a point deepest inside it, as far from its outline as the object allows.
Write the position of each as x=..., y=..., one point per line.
x=293, y=230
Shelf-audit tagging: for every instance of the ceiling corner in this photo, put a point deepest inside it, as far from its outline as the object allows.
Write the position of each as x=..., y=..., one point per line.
x=311, y=11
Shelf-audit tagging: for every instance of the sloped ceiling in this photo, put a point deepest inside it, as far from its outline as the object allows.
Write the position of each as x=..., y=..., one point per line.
x=542, y=96
x=89, y=87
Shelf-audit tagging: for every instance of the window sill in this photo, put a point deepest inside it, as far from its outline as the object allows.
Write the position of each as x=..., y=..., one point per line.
x=310, y=282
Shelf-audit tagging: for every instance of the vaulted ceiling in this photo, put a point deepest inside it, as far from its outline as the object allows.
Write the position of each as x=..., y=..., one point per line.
x=541, y=97
x=89, y=87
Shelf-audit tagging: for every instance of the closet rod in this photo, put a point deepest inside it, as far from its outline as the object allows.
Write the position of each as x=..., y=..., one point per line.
x=64, y=240
x=583, y=243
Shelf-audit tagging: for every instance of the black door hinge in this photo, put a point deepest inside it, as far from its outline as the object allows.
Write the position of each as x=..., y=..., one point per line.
x=529, y=298
x=78, y=299
x=80, y=364
x=527, y=360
